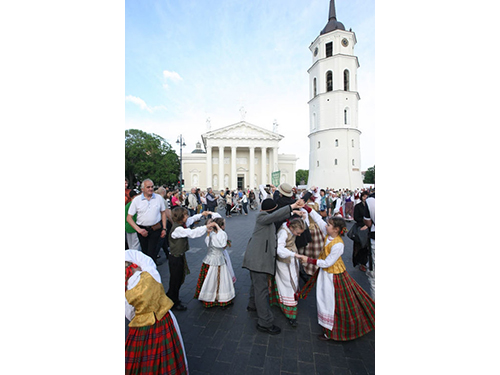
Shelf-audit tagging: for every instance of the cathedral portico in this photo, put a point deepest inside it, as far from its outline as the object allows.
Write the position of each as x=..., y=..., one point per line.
x=241, y=155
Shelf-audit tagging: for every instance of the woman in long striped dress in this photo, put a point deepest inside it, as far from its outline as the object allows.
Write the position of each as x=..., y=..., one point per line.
x=345, y=310
x=154, y=343
x=285, y=283
x=215, y=283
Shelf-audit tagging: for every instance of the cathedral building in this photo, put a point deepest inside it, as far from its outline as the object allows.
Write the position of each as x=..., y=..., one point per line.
x=240, y=155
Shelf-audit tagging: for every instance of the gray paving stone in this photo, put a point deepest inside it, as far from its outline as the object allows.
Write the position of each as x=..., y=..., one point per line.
x=227, y=342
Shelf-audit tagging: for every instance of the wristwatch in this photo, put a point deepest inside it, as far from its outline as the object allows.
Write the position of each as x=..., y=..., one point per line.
x=164, y=228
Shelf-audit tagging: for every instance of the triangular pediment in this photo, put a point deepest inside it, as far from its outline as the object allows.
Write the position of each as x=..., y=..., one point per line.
x=242, y=130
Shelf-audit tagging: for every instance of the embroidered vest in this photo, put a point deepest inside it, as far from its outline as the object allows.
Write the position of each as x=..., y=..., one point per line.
x=149, y=300
x=290, y=245
x=338, y=266
x=178, y=246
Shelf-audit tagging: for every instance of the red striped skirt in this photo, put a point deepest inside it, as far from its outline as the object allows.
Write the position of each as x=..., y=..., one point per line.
x=354, y=308
x=274, y=300
x=201, y=280
x=154, y=350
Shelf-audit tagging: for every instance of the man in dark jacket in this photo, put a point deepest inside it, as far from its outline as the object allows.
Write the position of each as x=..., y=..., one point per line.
x=260, y=260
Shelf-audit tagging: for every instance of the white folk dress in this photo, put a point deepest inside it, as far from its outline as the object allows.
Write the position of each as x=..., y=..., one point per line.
x=218, y=284
x=287, y=274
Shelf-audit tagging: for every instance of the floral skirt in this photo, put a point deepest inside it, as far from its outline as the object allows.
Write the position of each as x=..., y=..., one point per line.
x=155, y=350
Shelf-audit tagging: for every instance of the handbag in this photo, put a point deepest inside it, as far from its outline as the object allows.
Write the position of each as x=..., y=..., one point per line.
x=323, y=213
x=360, y=236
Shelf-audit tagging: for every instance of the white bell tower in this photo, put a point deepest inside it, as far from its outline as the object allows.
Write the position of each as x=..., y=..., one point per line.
x=334, y=147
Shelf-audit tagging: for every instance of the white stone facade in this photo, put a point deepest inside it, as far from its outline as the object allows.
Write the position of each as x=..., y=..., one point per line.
x=249, y=155
x=334, y=137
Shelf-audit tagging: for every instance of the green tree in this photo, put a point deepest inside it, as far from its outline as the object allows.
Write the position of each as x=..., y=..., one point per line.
x=370, y=176
x=301, y=176
x=150, y=156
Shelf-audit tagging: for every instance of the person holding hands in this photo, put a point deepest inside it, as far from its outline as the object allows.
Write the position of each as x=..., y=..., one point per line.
x=345, y=310
x=260, y=260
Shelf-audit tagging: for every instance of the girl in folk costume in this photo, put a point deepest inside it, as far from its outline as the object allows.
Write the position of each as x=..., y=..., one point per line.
x=215, y=283
x=345, y=310
x=315, y=245
x=285, y=283
x=154, y=343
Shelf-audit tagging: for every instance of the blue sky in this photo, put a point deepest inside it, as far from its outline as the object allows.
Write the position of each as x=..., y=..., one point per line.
x=186, y=61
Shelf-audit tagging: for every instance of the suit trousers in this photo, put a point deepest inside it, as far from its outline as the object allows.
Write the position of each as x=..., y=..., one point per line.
x=176, y=267
x=259, y=298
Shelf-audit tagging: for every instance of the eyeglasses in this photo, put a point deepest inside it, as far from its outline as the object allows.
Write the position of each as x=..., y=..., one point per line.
x=149, y=187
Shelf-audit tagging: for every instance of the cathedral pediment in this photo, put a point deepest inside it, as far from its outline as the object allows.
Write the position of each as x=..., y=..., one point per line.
x=242, y=130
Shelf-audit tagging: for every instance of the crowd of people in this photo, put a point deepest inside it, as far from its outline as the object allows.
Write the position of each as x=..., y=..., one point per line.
x=298, y=236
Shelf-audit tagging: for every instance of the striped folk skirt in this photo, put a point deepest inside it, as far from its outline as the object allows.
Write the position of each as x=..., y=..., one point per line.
x=155, y=350
x=217, y=285
x=313, y=248
x=275, y=300
x=354, y=314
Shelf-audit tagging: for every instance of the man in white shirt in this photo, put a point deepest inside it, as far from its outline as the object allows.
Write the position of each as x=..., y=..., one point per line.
x=151, y=221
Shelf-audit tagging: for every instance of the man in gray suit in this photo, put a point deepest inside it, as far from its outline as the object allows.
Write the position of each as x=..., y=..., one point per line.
x=260, y=260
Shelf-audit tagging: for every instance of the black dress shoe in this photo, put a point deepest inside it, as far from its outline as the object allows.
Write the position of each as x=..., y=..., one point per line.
x=273, y=330
x=180, y=307
x=293, y=323
x=251, y=308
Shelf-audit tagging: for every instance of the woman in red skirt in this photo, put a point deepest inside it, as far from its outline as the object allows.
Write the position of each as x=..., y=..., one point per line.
x=154, y=343
x=345, y=310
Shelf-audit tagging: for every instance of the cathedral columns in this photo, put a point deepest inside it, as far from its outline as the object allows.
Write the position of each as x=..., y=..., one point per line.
x=209, y=166
x=221, y=168
x=263, y=166
x=234, y=177
x=251, y=161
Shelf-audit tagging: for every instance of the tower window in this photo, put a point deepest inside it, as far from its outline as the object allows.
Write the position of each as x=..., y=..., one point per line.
x=335, y=161
x=352, y=140
x=336, y=143
x=329, y=49
x=352, y=161
x=315, y=90
x=329, y=81
x=346, y=116
x=319, y=144
x=346, y=80
x=317, y=163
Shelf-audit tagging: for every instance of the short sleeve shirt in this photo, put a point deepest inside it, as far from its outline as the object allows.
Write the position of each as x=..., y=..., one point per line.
x=148, y=211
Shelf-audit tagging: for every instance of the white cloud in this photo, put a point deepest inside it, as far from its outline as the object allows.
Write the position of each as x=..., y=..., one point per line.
x=142, y=104
x=173, y=76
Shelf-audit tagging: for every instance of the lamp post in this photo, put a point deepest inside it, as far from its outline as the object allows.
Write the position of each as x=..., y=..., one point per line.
x=180, y=141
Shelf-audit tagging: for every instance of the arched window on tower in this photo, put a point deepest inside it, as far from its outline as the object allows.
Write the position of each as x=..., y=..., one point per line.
x=335, y=161
x=336, y=143
x=346, y=116
x=315, y=89
x=346, y=80
x=329, y=81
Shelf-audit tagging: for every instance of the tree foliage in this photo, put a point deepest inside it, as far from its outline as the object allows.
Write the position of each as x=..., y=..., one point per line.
x=370, y=176
x=150, y=156
x=301, y=176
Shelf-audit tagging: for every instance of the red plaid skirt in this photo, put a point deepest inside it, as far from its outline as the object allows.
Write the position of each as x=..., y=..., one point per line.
x=274, y=300
x=154, y=350
x=354, y=308
x=201, y=280
x=313, y=248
